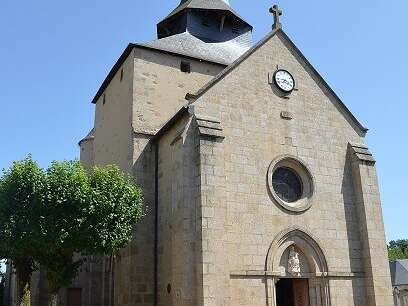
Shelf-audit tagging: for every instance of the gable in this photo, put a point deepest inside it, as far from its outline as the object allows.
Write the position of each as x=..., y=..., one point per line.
x=277, y=48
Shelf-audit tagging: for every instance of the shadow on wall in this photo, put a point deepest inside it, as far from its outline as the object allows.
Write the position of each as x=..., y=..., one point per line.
x=353, y=231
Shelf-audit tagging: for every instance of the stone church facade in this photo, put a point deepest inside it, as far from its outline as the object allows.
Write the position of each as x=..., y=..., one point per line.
x=258, y=186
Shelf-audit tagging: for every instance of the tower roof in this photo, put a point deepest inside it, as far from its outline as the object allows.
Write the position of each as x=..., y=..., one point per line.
x=189, y=45
x=220, y=5
x=206, y=29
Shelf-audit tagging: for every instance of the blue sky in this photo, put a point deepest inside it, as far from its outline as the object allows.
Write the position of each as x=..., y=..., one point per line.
x=55, y=54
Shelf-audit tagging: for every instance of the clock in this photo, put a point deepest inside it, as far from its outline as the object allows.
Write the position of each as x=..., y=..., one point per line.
x=284, y=80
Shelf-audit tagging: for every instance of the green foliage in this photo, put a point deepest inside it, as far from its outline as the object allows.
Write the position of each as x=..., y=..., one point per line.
x=65, y=203
x=20, y=203
x=398, y=249
x=61, y=271
x=115, y=206
x=49, y=216
x=88, y=214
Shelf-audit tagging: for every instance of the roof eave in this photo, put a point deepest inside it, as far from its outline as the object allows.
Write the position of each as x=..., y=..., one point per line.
x=112, y=72
x=173, y=120
x=175, y=13
x=125, y=55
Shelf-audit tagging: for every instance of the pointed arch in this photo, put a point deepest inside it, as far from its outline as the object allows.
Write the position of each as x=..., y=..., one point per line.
x=302, y=240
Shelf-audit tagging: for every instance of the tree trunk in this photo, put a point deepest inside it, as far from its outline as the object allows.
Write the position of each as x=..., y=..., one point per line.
x=20, y=288
x=23, y=273
x=23, y=294
x=53, y=300
x=112, y=283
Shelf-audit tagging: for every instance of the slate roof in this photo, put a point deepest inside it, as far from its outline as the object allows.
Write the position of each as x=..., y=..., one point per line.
x=90, y=136
x=205, y=5
x=188, y=45
x=399, y=272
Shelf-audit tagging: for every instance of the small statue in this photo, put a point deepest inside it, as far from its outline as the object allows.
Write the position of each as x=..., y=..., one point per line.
x=294, y=262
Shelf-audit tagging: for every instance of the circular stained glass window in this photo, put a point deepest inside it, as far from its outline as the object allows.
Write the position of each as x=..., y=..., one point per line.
x=287, y=184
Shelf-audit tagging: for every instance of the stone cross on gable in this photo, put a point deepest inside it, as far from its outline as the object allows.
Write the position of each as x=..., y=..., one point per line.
x=277, y=12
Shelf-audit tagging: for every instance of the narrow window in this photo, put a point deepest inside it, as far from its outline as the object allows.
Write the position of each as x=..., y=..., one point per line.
x=104, y=99
x=121, y=74
x=185, y=67
x=222, y=23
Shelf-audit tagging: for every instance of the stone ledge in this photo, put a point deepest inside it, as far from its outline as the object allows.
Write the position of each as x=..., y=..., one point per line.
x=332, y=274
x=286, y=115
x=210, y=128
x=361, y=152
x=335, y=274
x=143, y=133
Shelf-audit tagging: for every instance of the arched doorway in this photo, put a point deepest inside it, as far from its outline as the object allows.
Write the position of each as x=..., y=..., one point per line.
x=298, y=270
x=292, y=292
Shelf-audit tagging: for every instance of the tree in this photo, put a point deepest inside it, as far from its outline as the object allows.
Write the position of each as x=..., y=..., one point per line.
x=398, y=249
x=102, y=209
x=20, y=200
x=115, y=206
x=65, y=203
x=51, y=216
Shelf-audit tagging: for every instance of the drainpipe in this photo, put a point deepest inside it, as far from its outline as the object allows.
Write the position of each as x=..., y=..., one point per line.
x=156, y=223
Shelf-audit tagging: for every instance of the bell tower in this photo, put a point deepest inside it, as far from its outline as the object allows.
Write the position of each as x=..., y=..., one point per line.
x=205, y=28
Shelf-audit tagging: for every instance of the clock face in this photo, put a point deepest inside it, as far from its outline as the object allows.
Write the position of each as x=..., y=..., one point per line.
x=284, y=80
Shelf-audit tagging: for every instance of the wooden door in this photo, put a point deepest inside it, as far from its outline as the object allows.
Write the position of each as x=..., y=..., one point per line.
x=284, y=292
x=74, y=296
x=301, y=292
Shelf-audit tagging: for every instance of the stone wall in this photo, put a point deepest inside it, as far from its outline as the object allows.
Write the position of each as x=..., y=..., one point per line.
x=178, y=238
x=143, y=94
x=216, y=217
x=241, y=219
x=87, y=155
x=159, y=87
x=113, y=120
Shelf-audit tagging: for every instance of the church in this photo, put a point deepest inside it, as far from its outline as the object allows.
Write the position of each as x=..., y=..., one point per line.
x=259, y=189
